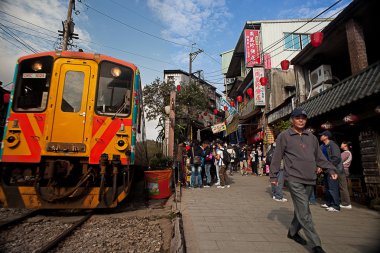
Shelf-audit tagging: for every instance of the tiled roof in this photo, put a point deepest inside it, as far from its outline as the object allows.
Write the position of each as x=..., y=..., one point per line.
x=358, y=87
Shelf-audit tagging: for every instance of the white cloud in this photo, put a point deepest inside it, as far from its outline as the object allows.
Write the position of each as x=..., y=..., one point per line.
x=190, y=20
x=309, y=10
x=151, y=131
x=47, y=14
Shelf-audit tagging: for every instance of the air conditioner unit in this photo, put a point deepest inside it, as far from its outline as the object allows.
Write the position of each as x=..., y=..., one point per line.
x=318, y=89
x=320, y=75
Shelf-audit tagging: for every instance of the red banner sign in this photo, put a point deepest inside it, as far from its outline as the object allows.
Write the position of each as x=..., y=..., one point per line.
x=252, y=47
x=258, y=89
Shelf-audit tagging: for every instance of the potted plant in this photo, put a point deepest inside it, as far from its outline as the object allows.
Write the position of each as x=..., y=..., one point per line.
x=158, y=177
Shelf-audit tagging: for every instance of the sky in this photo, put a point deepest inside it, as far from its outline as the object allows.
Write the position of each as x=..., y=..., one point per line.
x=155, y=35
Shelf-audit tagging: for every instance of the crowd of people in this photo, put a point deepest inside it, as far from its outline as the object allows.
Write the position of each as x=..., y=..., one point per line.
x=296, y=157
x=205, y=163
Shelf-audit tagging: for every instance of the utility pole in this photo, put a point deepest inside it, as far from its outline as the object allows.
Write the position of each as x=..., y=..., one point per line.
x=68, y=25
x=172, y=123
x=192, y=58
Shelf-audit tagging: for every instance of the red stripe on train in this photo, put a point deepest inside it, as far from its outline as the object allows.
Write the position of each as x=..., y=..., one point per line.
x=105, y=139
x=31, y=140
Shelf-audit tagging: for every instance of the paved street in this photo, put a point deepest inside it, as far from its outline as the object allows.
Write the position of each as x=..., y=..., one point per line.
x=244, y=218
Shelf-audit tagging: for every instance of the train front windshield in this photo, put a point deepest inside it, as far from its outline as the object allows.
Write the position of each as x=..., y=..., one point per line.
x=114, y=90
x=32, y=85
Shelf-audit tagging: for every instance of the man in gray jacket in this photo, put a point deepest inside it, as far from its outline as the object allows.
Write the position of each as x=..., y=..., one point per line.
x=301, y=155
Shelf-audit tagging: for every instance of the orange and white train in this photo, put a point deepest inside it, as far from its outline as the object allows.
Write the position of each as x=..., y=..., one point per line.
x=74, y=133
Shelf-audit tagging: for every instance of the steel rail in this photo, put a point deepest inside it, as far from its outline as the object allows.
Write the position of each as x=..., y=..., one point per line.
x=52, y=244
x=19, y=219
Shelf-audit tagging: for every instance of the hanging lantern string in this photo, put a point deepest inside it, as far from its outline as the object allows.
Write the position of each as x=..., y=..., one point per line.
x=265, y=50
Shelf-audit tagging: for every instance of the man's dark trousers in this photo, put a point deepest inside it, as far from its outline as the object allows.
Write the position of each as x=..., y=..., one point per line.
x=302, y=216
x=332, y=193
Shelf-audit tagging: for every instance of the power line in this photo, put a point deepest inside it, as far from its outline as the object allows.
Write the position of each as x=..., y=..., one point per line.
x=297, y=43
x=134, y=28
x=44, y=38
x=24, y=27
x=141, y=31
x=10, y=42
x=124, y=51
x=14, y=36
x=280, y=40
x=138, y=14
x=25, y=21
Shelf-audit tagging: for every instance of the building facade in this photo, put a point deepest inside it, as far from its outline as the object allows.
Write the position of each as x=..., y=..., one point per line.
x=260, y=49
x=200, y=127
x=338, y=84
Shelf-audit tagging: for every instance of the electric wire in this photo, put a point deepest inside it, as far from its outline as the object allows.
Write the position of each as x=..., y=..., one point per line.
x=10, y=42
x=27, y=27
x=132, y=27
x=13, y=36
x=280, y=40
x=44, y=38
x=26, y=21
x=138, y=14
x=298, y=41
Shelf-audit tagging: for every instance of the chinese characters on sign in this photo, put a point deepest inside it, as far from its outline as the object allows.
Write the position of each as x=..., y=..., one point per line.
x=218, y=128
x=252, y=47
x=267, y=61
x=258, y=89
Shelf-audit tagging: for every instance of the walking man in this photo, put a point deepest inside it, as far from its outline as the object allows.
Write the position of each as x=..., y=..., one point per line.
x=301, y=155
x=332, y=153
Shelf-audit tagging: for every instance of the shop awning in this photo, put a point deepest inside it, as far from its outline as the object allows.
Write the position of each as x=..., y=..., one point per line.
x=355, y=88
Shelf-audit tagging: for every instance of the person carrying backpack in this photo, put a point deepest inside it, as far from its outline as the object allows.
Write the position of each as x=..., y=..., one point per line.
x=232, y=154
x=243, y=157
x=221, y=157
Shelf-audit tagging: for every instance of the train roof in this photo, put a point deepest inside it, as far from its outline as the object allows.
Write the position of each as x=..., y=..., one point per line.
x=79, y=55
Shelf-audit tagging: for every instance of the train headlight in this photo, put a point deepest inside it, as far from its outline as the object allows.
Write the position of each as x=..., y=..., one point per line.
x=121, y=144
x=12, y=140
x=37, y=66
x=115, y=72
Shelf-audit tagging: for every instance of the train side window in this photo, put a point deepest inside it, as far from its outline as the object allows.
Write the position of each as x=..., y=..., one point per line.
x=72, y=91
x=113, y=95
x=32, y=84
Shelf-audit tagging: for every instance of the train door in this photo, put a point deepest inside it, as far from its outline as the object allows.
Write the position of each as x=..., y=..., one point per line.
x=72, y=99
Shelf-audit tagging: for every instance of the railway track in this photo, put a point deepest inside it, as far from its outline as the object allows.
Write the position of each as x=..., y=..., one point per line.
x=37, y=232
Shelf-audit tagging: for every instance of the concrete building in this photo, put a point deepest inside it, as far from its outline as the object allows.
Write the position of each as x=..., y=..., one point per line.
x=200, y=125
x=339, y=86
x=259, y=51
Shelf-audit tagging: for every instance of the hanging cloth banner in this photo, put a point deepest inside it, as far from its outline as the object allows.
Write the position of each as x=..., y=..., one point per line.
x=233, y=126
x=252, y=47
x=218, y=128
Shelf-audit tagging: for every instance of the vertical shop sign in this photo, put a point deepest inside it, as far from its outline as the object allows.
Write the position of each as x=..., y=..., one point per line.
x=252, y=47
x=258, y=89
x=267, y=61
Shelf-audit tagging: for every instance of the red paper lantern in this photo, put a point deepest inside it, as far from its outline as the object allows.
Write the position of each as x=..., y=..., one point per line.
x=377, y=109
x=263, y=80
x=285, y=64
x=316, y=39
x=225, y=108
x=178, y=88
x=250, y=92
x=239, y=99
x=351, y=119
x=232, y=103
x=326, y=125
x=6, y=98
x=215, y=111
